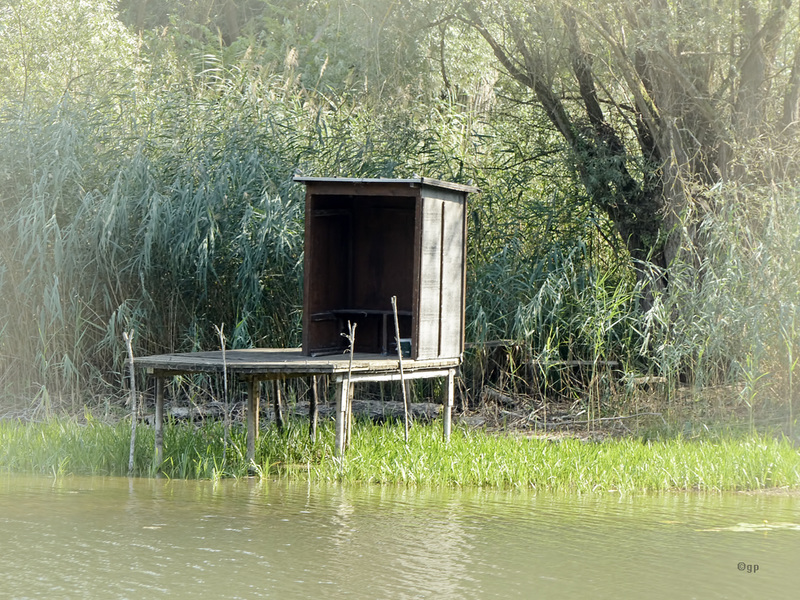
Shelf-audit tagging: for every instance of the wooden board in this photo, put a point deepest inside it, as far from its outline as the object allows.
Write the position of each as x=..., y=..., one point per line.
x=328, y=256
x=426, y=343
x=452, y=289
x=440, y=294
x=383, y=257
x=395, y=186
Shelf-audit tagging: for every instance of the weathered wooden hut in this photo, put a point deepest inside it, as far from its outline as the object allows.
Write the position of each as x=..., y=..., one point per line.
x=367, y=240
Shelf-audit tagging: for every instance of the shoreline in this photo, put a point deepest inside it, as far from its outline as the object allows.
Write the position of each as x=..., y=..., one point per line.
x=722, y=461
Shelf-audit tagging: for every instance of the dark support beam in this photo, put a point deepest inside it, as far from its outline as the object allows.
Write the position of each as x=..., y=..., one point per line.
x=277, y=405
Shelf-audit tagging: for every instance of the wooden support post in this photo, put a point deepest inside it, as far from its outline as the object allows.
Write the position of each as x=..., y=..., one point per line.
x=128, y=337
x=342, y=396
x=448, y=405
x=403, y=383
x=313, y=411
x=349, y=415
x=253, y=401
x=277, y=405
x=159, y=425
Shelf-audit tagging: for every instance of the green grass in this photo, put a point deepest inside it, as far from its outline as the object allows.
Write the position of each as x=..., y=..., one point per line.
x=473, y=458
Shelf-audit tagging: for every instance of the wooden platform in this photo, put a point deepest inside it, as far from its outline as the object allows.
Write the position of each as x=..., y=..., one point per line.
x=282, y=363
x=259, y=364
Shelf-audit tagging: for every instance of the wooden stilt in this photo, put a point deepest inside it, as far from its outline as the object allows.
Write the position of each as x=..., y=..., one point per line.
x=347, y=392
x=447, y=410
x=313, y=412
x=277, y=405
x=349, y=412
x=253, y=401
x=287, y=364
x=408, y=417
x=403, y=383
x=342, y=392
x=159, y=425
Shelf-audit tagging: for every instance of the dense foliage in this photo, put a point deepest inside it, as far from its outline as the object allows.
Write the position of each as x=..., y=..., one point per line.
x=147, y=151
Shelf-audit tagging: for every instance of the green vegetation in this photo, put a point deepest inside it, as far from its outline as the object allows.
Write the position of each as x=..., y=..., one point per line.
x=726, y=461
x=639, y=213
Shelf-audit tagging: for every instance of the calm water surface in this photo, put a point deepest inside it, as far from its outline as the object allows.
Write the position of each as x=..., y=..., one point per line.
x=134, y=538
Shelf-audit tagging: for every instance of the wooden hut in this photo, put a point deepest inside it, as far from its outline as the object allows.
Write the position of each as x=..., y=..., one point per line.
x=367, y=240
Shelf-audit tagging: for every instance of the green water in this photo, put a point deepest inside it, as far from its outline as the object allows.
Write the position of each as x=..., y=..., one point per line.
x=118, y=538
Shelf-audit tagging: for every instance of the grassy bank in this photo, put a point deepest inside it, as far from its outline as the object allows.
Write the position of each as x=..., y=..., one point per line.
x=377, y=454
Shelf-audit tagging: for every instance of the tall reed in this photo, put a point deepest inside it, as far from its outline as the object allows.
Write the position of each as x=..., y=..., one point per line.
x=178, y=234
x=161, y=200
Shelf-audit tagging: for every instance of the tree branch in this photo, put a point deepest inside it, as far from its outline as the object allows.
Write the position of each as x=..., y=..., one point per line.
x=531, y=77
x=582, y=67
x=792, y=97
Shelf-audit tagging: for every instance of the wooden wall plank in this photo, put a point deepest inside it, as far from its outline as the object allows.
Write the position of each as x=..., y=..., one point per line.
x=427, y=330
x=453, y=257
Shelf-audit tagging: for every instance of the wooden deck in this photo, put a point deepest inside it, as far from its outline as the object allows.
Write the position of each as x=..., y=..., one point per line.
x=283, y=363
x=259, y=364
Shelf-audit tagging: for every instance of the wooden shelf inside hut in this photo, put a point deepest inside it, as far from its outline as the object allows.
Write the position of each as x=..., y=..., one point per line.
x=367, y=240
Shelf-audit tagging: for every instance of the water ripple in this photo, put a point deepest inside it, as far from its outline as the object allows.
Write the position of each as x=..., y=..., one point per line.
x=120, y=538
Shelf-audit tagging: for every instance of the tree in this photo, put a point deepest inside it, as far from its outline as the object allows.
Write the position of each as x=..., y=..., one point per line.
x=51, y=49
x=656, y=101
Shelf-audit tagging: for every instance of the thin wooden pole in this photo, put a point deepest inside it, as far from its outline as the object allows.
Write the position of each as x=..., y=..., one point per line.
x=348, y=391
x=159, y=425
x=253, y=401
x=342, y=384
x=313, y=410
x=226, y=422
x=400, y=359
x=349, y=422
x=134, y=409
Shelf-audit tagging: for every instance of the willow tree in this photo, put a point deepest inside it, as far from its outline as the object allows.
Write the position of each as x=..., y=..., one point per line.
x=656, y=101
x=49, y=50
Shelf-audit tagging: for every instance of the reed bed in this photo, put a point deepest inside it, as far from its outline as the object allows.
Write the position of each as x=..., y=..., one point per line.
x=720, y=461
x=164, y=205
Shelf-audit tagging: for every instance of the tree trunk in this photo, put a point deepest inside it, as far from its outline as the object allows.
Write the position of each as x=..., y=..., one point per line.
x=695, y=106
